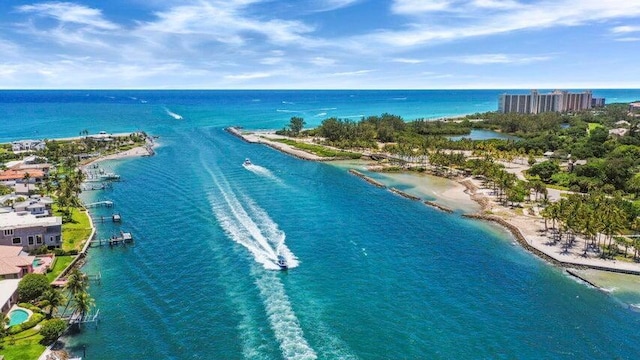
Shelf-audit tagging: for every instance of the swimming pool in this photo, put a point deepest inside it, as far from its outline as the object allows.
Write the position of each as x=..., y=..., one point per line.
x=17, y=316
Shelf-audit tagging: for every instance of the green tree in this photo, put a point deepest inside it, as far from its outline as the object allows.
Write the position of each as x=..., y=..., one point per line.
x=82, y=304
x=77, y=282
x=32, y=286
x=544, y=170
x=51, y=330
x=50, y=301
x=296, y=124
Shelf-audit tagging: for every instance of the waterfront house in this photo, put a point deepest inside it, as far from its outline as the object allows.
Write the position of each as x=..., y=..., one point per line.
x=37, y=205
x=8, y=294
x=29, y=231
x=12, y=176
x=14, y=264
x=45, y=167
x=27, y=145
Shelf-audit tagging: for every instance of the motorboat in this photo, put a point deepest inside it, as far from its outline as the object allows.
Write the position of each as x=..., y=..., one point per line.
x=282, y=262
x=247, y=162
x=109, y=176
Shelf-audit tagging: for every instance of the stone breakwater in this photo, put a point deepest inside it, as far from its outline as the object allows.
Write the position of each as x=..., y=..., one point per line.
x=403, y=194
x=438, y=206
x=366, y=178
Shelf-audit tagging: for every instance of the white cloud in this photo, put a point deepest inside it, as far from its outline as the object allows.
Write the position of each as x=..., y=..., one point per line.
x=248, y=76
x=224, y=22
x=483, y=59
x=411, y=7
x=67, y=12
x=625, y=29
x=467, y=19
x=322, y=61
x=351, y=73
x=408, y=61
x=628, y=39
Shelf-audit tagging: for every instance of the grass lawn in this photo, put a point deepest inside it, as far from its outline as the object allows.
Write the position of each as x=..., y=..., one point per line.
x=27, y=346
x=319, y=149
x=76, y=232
x=61, y=263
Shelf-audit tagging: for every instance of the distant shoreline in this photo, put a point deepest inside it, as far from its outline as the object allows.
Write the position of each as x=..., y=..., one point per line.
x=526, y=229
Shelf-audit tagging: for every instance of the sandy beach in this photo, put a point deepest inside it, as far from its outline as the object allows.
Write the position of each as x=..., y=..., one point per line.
x=471, y=197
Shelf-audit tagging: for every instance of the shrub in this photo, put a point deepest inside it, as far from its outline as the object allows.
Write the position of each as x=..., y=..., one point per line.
x=59, y=252
x=51, y=330
x=30, y=307
x=31, y=286
x=33, y=321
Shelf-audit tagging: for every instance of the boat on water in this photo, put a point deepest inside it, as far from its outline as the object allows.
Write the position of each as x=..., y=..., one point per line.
x=109, y=176
x=282, y=262
x=247, y=162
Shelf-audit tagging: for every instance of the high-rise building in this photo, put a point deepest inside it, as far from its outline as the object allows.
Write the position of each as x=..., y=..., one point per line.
x=535, y=103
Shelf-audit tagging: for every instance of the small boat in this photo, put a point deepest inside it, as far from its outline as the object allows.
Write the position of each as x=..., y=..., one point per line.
x=109, y=176
x=247, y=162
x=282, y=262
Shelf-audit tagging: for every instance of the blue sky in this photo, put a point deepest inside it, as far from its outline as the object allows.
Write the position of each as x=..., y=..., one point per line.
x=320, y=44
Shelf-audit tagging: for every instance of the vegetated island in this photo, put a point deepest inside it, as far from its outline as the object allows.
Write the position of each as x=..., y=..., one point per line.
x=567, y=186
x=54, y=172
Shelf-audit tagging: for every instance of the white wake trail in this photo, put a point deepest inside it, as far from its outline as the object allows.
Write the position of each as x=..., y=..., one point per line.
x=263, y=171
x=283, y=320
x=173, y=115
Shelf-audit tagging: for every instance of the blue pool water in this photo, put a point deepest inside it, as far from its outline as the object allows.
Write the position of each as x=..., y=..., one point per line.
x=373, y=275
x=18, y=316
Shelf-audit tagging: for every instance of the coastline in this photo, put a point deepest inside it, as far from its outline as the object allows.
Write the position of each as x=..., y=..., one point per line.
x=140, y=151
x=80, y=259
x=528, y=230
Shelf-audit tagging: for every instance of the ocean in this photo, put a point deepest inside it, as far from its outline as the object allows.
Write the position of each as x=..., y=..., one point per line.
x=373, y=275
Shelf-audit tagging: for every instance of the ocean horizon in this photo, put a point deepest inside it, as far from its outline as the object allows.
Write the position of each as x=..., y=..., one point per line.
x=373, y=276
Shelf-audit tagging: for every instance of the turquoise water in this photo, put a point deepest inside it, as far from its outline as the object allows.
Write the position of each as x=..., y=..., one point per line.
x=478, y=134
x=373, y=275
x=17, y=316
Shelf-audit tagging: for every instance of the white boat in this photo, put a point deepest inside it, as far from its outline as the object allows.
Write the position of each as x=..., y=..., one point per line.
x=247, y=162
x=282, y=262
x=109, y=176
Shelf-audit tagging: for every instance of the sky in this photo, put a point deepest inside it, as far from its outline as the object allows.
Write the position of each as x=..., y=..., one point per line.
x=319, y=44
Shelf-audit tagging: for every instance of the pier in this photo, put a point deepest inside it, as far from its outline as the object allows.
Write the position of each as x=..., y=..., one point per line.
x=93, y=187
x=105, y=203
x=116, y=218
x=123, y=238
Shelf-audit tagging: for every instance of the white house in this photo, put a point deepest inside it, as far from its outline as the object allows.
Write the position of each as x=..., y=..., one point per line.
x=27, y=145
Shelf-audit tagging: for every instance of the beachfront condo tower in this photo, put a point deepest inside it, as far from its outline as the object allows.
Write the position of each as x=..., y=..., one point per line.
x=535, y=103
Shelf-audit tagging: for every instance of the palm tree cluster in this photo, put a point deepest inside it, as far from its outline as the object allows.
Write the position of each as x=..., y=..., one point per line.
x=598, y=218
x=66, y=187
x=79, y=299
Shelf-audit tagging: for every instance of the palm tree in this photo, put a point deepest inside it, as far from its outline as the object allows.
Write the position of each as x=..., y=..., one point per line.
x=82, y=304
x=612, y=220
x=51, y=299
x=77, y=282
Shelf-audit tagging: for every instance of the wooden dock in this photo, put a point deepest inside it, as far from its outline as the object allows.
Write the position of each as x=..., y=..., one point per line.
x=116, y=218
x=123, y=238
x=106, y=203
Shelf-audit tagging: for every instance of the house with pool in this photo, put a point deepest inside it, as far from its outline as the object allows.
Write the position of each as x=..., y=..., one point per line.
x=14, y=264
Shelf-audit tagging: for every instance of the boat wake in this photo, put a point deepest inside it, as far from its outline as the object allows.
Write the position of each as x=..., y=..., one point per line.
x=263, y=171
x=283, y=319
x=173, y=115
x=250, y=226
